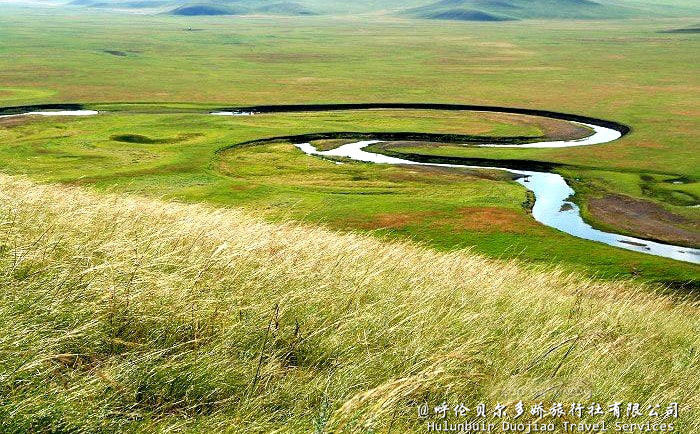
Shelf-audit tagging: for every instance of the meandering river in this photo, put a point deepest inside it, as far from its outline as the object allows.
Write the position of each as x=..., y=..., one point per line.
x=553, y=206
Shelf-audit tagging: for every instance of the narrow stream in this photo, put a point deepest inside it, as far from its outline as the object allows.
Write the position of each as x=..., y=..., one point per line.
x=553, y=206
x=55, y=113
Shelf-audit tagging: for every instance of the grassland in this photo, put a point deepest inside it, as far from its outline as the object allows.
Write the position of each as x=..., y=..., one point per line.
x=151, y=284
x=446, y=9
x=628, y=72
x=659, y=196
x=174, y=156
x=126, y=314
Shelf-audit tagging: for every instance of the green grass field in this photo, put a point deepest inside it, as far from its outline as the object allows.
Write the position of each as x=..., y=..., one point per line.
x=156, y=278
x=174, y=156
x=244, y=61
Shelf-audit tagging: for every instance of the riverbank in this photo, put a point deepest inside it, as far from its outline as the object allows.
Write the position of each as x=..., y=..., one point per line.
x=177, y=151
x=659, y=205
x=552, y=206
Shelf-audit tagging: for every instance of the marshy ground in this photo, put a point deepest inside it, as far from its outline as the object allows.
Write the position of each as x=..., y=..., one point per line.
x=181, y=152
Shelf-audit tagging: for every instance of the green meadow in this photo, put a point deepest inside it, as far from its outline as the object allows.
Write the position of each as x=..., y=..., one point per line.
x=176, y=156
x=166, y=270
x=157, y=76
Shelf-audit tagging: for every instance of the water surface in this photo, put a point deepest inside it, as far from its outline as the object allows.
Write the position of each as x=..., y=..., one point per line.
x=553, y=206
x=55, y=113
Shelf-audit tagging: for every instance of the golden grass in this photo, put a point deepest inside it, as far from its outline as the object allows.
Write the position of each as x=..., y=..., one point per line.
x=121, y=313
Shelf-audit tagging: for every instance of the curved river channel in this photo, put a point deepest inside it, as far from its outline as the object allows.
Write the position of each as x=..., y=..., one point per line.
x=553, y=206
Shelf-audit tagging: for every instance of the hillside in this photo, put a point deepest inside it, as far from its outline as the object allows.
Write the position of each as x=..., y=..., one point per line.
x=499, y=10
x=282, y=8
x=238, y=7
x=197, y=10
x=467, y=10
x=125, y=314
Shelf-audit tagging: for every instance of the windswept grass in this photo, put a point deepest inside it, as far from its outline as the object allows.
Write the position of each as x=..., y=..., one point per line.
x=120, y=313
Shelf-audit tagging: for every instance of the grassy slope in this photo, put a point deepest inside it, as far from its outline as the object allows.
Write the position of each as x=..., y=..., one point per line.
x=523, y=9
x=291, y=7
x=240, y=8
x=472, y=10
x=127, y=314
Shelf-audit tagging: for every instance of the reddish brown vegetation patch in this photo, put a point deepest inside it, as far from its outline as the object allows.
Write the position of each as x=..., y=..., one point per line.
x=468, y=219
x=553, y=129
x=13, y=121
x=644, y=219
x=397, y=220
x=494, y=219
x=432, y=174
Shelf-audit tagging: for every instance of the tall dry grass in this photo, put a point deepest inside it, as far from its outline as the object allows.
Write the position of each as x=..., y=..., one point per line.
x=127, y=314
